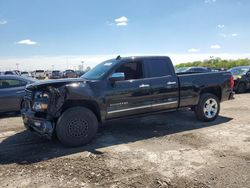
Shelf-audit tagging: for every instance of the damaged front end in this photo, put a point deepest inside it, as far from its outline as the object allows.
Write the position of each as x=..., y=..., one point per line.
x=42, y=107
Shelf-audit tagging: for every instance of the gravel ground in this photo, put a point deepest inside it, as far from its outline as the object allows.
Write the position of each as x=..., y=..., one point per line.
x=167, y=150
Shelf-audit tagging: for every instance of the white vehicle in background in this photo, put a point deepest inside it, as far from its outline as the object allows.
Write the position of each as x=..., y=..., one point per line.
x=48, y=73
x=39, y=74
x=25, y=74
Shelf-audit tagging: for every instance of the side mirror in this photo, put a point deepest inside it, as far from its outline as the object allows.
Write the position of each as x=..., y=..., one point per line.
x=248, y=73
x=117, y=76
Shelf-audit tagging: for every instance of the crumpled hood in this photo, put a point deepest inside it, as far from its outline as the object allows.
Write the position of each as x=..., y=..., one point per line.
x=54, y=83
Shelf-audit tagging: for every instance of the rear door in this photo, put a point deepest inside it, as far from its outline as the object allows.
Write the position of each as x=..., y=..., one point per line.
x=11, y=94
x=131, y=96
x=164, y=84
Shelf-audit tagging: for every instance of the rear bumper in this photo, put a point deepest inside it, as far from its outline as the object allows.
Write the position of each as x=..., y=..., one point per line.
x=43, y=127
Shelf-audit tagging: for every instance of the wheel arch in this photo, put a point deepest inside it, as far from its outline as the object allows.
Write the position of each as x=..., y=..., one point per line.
x=91, y=105
x=241, y=82
x=216, y=90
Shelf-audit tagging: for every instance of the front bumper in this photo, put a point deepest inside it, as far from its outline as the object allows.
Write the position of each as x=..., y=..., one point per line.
x=43, y=127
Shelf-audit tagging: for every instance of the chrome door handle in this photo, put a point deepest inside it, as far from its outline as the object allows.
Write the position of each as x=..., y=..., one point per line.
x=171, y=83
x=144, y=85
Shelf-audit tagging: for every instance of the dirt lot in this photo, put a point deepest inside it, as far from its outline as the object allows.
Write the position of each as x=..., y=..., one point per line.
x=167, y=150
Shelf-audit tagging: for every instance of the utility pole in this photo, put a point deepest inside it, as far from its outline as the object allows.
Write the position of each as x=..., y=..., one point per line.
x=82, y=62
x=17, y=64
x=67, y=61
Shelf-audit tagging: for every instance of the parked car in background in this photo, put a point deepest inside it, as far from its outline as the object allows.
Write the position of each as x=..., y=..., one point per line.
x=120, y=88
x=25, y=73
x=56, y=74
x=48, y=73
x=39, y=74
x=10, y=73
x=69, y=74
x=193, y=70
x=241, y=78
x=17, y=72
x=12, y=90
x=219, y=69
x=80, y=73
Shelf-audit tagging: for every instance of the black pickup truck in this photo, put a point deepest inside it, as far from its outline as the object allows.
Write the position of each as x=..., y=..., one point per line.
x=72, y=109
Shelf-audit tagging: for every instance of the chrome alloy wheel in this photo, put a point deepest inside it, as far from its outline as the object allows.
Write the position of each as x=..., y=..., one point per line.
x=210, y=108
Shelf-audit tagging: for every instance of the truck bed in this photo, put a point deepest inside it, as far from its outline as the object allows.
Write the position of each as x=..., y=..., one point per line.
x=192, y=84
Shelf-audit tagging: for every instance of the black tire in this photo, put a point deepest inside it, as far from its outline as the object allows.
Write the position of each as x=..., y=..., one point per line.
x=76, y=126
x=241, y=88
x=201, y=111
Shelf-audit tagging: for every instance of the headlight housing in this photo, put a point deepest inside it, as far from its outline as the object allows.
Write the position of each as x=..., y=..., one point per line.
x=40, y=106
x=41, y=101
x=41, y=95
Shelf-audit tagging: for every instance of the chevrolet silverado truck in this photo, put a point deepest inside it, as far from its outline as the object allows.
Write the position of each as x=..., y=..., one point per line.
x=72, y=109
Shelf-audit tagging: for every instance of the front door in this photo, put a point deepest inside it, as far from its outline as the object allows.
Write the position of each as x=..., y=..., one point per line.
x=131, y=96
x=11, y=93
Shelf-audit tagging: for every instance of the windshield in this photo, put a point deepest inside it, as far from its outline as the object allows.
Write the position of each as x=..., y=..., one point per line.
x=239, y=71
x=98, y=71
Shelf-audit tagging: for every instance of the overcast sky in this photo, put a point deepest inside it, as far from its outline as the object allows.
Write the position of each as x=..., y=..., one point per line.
x=41, y=33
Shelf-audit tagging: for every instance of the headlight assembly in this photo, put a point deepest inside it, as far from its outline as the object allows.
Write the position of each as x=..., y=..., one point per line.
x=39, y=106
x=41, y=101
x=41, y=95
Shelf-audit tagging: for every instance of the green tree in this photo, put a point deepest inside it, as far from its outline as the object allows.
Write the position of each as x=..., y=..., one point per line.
x=216, y=63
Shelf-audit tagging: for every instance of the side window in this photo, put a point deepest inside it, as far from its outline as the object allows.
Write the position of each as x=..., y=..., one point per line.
x=9, y=83
x=158, y=68
x=200, y=70
x=131, y=70
x=197, y=70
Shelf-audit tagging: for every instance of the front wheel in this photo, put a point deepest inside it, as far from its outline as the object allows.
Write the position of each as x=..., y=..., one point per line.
x=76, y=126
x=208, y=107
x=242, y=88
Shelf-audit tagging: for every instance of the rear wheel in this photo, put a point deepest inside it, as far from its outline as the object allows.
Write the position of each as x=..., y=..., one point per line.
x=241, y=88
x=208, y=107
x=76, y=126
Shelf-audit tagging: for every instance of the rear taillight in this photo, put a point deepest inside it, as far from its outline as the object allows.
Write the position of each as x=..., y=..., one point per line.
x=232, y=82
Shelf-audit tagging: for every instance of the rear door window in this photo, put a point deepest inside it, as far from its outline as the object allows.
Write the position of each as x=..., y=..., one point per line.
x=158, y=68
x=199, y=70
